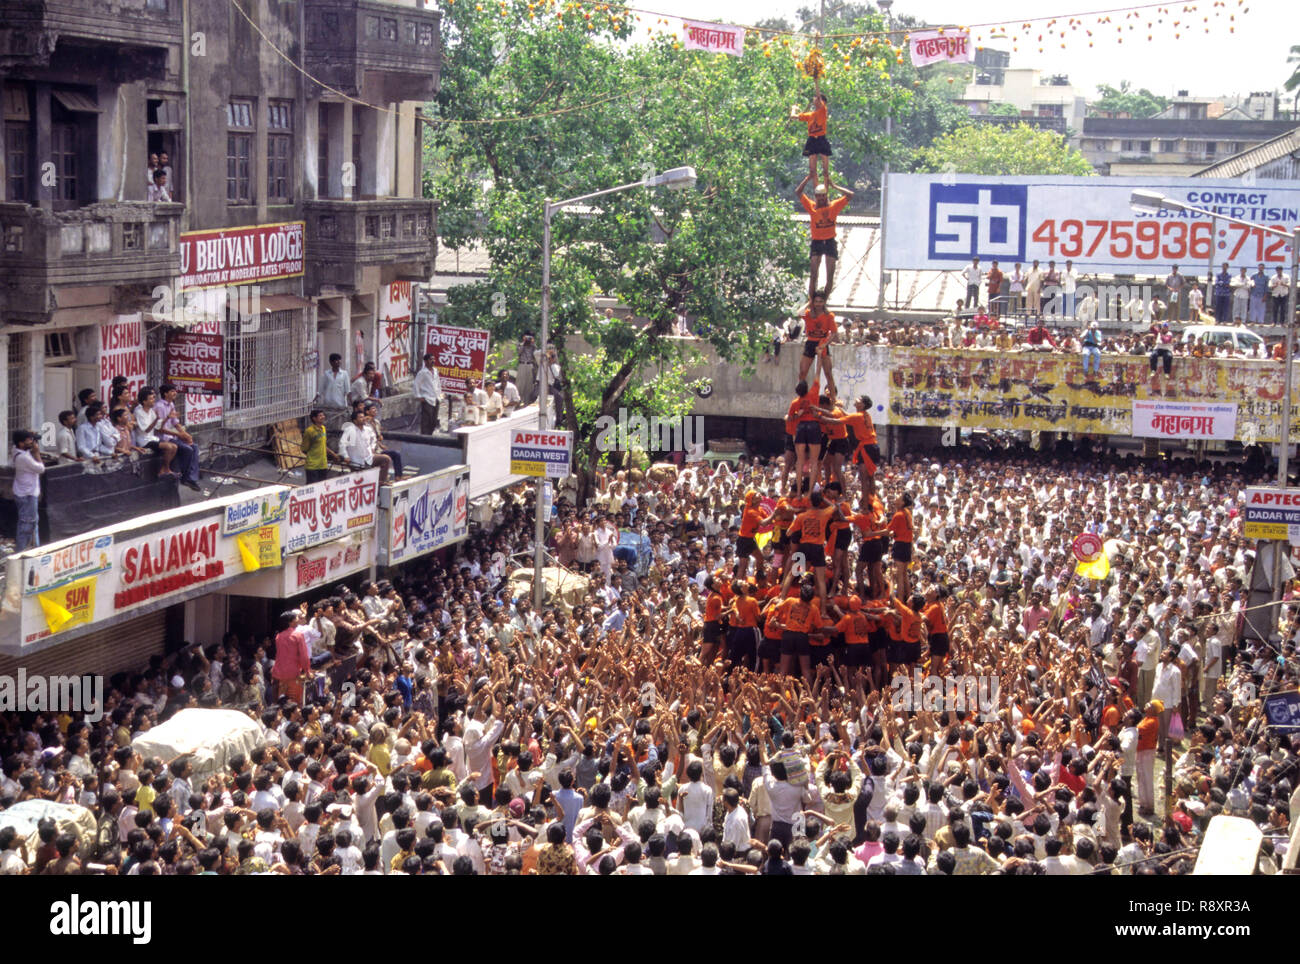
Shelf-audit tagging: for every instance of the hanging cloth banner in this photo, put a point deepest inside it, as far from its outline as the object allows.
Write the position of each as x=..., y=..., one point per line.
x=931, y=46
x=716, y=38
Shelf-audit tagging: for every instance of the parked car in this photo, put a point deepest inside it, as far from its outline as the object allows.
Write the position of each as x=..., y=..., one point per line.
x=1242, y=339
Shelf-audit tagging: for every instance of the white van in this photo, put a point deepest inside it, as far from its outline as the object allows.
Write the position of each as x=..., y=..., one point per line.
x=1242, y=339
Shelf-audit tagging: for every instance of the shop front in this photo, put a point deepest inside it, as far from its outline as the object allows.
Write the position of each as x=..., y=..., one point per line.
x=423, y=514
x=106, y=601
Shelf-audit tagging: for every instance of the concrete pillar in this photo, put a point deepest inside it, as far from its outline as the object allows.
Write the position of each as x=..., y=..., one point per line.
x=43, y=144
x=350, y=189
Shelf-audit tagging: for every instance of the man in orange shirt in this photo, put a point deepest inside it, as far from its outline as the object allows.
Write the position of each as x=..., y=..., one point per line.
x=856, y=627
x=742, y=645
x=711, y=638
x=808, y=434
x=798, y=619
x=871, y=550
x=822, y=213
x=838, y=445
x=819, y=330
x=838, y=533
x=746, y=545
x=811, y=526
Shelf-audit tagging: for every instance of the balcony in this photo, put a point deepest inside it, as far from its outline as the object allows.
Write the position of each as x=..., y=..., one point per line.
x=348, y=39
x=140, y=31
x=345, y=236
x=107, y=243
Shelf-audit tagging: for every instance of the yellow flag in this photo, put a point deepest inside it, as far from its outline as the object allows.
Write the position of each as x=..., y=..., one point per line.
x=762, y=539
x=248, y=556
x=1099, y=568
x=56, y=617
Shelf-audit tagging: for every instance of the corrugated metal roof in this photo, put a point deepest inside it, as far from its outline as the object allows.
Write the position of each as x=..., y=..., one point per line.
x=1170, y=127
x=1253, y=157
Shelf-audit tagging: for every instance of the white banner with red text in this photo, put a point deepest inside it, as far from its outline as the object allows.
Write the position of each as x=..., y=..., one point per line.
x=716, y=38
x=932, y=46
x=1184, y=421
x=325, y=511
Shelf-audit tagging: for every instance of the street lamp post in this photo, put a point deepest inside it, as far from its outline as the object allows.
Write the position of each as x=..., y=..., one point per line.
x=885, y=7
x=677, y=178
x=1152, y=202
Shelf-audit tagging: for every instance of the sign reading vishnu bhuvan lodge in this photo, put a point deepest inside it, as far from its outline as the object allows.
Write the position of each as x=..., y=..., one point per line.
x=331, y=509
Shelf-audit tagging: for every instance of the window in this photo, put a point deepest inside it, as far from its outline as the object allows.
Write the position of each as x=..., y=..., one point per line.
x=323, y=151
x=63, y=151
x=239, y=152
x=264, y=370
x=1211, y=148
x=389, y=30
x=356, y=165
x=1168, y=147
x=17, y=151
x=279, y=152
x=20, y=394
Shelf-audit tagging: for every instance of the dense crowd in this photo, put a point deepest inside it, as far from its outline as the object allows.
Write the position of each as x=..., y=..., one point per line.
x=727, y=700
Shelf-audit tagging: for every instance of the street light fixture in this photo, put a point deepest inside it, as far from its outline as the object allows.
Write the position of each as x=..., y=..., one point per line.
x=676, y=178
x=1147, y=202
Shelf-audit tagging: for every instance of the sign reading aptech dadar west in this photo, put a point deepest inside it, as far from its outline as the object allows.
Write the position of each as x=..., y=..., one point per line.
x=1271, y=513
x=540, y=453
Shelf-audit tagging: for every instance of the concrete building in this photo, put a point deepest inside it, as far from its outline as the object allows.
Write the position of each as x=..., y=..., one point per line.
x=294, y=224
x=1182, y=139
x=1042, y=99
x=1277, y=159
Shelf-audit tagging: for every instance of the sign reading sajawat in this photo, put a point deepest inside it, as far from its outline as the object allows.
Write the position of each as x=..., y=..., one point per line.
x=1049, y=392
x=236, y=256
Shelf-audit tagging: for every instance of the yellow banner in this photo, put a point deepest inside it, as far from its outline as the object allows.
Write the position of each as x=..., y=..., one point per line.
x=528, y=468
x=70, y=605
x=1266, y=530
x=1046, y=391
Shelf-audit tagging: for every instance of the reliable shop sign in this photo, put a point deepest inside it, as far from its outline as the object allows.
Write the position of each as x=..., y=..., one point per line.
x=1272, y=514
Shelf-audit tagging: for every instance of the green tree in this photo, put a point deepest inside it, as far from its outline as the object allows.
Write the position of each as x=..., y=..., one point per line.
x=727, y=253
x=1293, y=82
x=999, y=109
x=992, y=149
x=1124, y=100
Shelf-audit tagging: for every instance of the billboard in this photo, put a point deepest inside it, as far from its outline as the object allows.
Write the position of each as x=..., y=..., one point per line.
x=1036, y=391
x=460, y=354
x=394, y=339
x=194, y=362
x=424, y=513
x=940, y=222
x=540, y=453
x=328, y=510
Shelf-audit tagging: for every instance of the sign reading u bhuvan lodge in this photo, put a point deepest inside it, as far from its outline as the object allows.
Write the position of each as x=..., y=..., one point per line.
x=236, y=256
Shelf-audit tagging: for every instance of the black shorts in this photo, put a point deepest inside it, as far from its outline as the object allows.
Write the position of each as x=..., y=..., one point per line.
x=877, y=641
x=842, y=538
x=841, y=446
x=789, y=442
x=874, y=451
x=814, y=556
x=857, y=654
x=810, y=349
x=939, y=644
x=896, y=650
x=745, y=545
x=817, y=147
x=780, y=538
x=819, y=654
x=808, y=433
x=712, y=632
x=902, y=551
x=821, y=449
x=795, y=644
x=826, y=246
x=741, y=644
x=316, y=475
x=871, y=550
x=769, y=648
x=911, y=652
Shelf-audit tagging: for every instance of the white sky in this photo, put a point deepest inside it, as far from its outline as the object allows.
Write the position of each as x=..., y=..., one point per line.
x=1251, y=58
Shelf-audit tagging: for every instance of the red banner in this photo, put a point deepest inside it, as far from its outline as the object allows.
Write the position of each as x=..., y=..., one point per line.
x=460, y=355
x=241, y=255
x=194, y=363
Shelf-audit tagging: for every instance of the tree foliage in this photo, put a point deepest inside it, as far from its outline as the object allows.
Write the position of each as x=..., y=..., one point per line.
x=727, y=252
x=993, y=150
x=1124, y=100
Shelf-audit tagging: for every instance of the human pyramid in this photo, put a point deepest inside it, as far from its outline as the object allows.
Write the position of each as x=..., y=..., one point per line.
x=811, y=606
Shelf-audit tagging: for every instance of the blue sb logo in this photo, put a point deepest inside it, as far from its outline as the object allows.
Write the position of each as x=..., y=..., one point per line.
x=978, y=220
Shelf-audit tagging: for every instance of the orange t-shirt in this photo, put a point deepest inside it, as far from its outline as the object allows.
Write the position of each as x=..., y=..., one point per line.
x=801, y=409
x=751, y=520
x=816, y=120
x=867, y=434
x=908, y=625
x=839, y=427
x=856, y=627
x=1148, y=733
x=935, y=617
x=819, y=329
x=746, y=613
x=770, y=628
x=837, y=522
x=901, y=526
x=812, y=525
x=823, y=219
x=798, y=616
x=713, y=608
